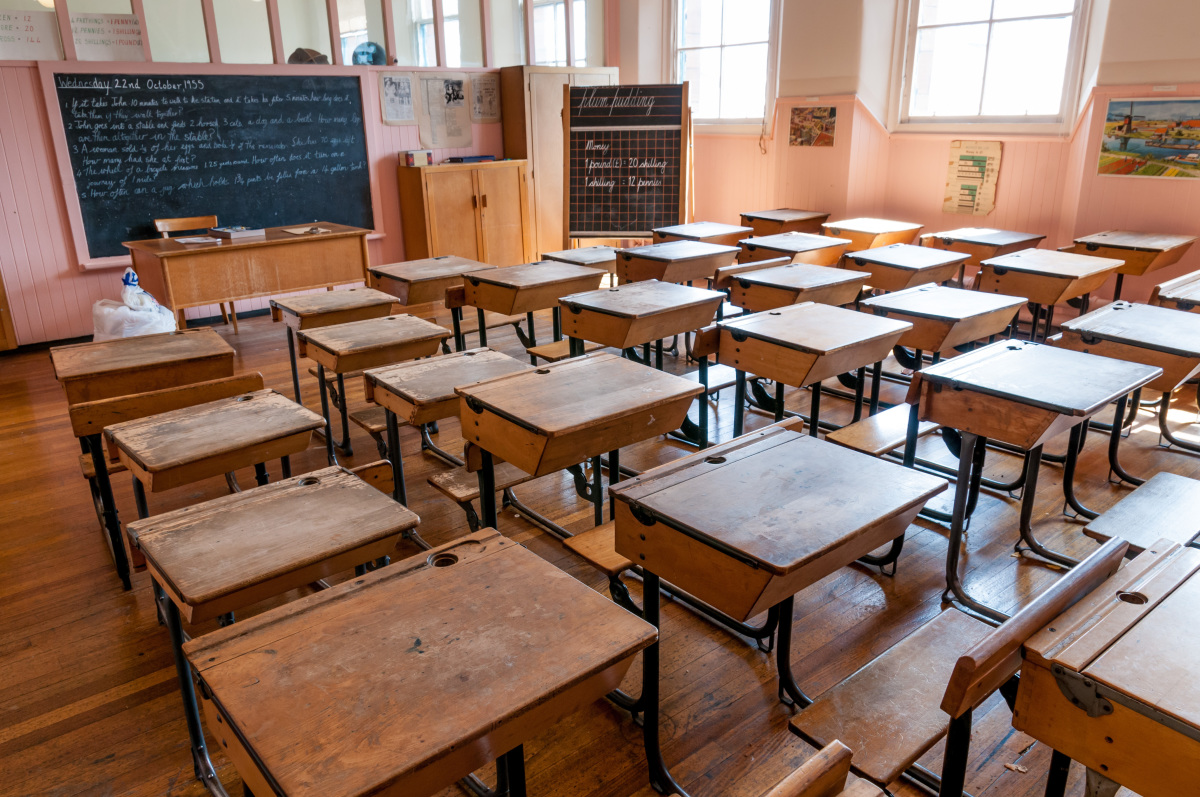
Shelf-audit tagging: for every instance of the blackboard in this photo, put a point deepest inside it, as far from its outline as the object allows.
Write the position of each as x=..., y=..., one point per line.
x=626, y=158
x=256, y=151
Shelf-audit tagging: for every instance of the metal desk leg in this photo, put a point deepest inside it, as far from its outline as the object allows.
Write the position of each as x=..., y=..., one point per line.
x=597, y=492
x=1029, y=495
x=876, y=378
x=456, y=323
x=261, y=477
x=556, y=316
x=330, y=455
x=342, y=410
x=482, y=326
x=954, y=586
x=202, y=765
x=399, y=489
x=858, y=394
x=1060, y=767
x=487, y=489
x=1166, y=430
x=660, y=777
x=658, y=348
x=814, y=410
x=790, y=693
x=778, y=401
x=739, y=403
x=112, y=525
x=510, y=773
x=291, y=341
x=614, y=476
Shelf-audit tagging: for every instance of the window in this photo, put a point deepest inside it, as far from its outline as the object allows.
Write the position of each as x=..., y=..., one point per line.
x=726, y=53
x=426, y=43
x=1000, y=61
x=550, y=32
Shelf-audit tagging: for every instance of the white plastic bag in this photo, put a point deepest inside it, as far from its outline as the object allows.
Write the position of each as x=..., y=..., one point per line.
x=137, y=315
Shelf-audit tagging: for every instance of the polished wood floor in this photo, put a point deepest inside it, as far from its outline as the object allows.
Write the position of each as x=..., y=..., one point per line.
x=88, y=697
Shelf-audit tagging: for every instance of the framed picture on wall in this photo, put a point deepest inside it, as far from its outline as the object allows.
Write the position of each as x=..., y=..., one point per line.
x=1151, y=138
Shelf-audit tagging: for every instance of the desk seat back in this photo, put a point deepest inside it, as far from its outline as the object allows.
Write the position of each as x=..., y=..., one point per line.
x=456, y=296
x=823, y=775
x=91, y=417
x=184, y=224
x=989, y=664
x=723, y=280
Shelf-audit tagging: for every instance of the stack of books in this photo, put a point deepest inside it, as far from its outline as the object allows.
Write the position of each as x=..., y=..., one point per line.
x=237, y=232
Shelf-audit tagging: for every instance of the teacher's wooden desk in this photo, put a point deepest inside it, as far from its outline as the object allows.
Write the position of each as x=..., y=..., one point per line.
x=773, y=222
x=796, y=525
x=211, y=560
x=348, y=348
x=189, y=275
x=1045, y=277
x=1022, y=394
x=1111, y=683
x=107, y=369
x=1143, y=252
x=709, y=232
x=799, y=247
x=867, y=233
x=899, y=266
x=409, y=678
x=558, y=416
x=802, y=345
x=1141, y=333
x=1181, y=293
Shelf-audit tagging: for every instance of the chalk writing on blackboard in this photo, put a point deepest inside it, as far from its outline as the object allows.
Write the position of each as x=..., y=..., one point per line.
x=256, y=152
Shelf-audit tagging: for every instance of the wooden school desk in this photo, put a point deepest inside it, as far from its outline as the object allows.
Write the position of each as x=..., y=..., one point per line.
x=943, y=318
x=899, y=266
x=211, y=560
x=527, y=289
x=421, y=392
x=1045, y=277
x=869, y=233
x=1022, y=394
x=312, y=310
x=780, y=286
x=981, y=243
x=744, y=557
x=183, y=446
x=773, y=222
x=1111, y=682
x=107, y=369
x=801, y=247
x=189, y=275
x=638, y=314
x=673, y=261
x=709, y=232
x=421, y=281
x=1145, y=334
x=555, y=417
x=346, y=348
x=461, y=654
x=604, y=257
x=801, y=345
x=1181, y=293
x=1142, y=252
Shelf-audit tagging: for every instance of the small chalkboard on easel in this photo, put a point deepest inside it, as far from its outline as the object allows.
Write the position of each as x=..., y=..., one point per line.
x=626, y=155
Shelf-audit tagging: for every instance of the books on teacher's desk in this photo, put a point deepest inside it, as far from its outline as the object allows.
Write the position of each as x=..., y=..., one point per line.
x=237, y=232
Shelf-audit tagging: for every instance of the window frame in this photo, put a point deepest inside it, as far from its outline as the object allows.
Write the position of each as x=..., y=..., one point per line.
x=899, y=119
x=748, y=125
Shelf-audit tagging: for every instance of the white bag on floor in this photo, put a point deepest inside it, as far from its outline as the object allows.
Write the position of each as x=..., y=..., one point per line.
x=137, y=315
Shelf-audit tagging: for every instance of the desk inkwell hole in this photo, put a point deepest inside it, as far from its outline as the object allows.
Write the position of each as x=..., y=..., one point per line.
x=308, y=481
x=1136, y=598
x=773, y=312
x=543, y=371
x=470, y=353
x=715, y=460
x=444, y=560
x=243, y=398
x=390, y=318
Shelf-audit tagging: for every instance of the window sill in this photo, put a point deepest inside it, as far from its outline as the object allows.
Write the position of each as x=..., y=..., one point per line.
x=720, y=128
x=961, y=127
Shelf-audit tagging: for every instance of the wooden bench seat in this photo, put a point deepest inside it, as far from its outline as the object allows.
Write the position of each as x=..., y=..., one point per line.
x=598, y=547
x=1167, y=506
x=373, y=421
x=470, y=321
x=89, y=469
x=462, y=486
x=880, y=433
x=559, y=350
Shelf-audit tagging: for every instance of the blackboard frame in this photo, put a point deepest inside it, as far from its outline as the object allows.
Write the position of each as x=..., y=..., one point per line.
x=48, y=70
x=684, y=155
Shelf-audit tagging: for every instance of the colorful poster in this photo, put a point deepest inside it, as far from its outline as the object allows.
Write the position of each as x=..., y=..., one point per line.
x=813, y=127
x=29, y=36
x=1151, y=138
x=107, y=37
x=971, y=177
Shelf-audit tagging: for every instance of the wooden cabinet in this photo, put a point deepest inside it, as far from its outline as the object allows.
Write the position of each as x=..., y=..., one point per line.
x=479, y=211
x=531, y=100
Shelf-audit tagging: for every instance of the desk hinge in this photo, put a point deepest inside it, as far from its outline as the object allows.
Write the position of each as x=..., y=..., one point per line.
x=1081, y=691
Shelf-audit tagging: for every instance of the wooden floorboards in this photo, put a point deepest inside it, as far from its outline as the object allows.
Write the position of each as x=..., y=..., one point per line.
x=88, y=700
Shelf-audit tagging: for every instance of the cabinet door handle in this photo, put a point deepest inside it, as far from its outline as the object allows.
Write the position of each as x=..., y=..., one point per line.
x=474, y=201
x=485, y=200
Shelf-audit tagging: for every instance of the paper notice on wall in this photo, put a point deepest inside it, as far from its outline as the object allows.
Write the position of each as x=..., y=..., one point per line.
x=971, y=177
x=107, y=37
x=396, y=98
x=443, y=113
x=485, y=98
x=29, y=36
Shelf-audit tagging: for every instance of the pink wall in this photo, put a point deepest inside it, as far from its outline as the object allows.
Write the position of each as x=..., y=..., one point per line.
x=1047, y=185
x=50, y=297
